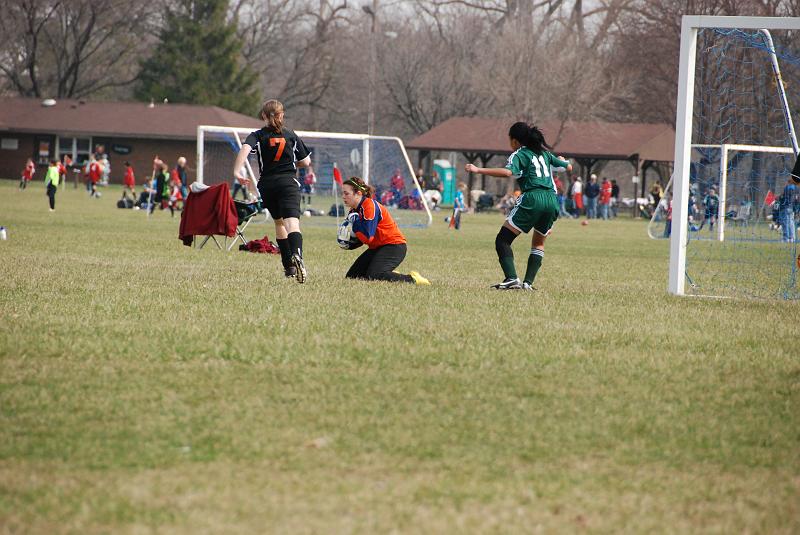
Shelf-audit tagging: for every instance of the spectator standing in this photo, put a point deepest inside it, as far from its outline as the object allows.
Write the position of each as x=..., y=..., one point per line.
x=786, y=202
x=559, y=185
x=179, y=176
x=710, y=209
x=241, y=185
x=458, y=206
x=614, y=197
x=592, y=192
x=67, y=165
x=27, y=174
x=106, y=170
x=237, y=187
x=577, y=196
x=75, y=168
x=692, y=208
x=161, y=190
x=129, y=182
x=421, y=180
x=605, y=197
x=95, y=171
x=101, y=158
x=656, y=191
x=175, y=191
x=668, y=209
x=51, y=179
x=62, y=170
x=307, y=181
x=434, y=183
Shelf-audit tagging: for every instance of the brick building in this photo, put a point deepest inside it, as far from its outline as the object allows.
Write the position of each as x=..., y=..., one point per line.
x=129, y=131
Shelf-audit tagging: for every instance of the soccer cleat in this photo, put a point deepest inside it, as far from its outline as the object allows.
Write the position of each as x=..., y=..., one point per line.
x=289, y=272
x=419, y=279
x=300, y=268
x=527, y=286
x=508, y=284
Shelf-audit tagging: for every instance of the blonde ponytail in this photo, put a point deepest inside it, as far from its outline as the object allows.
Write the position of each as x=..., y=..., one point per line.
x=272, y=114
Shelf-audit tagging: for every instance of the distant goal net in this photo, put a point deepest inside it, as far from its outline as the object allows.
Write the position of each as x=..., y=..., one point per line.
x=380, y=160
x=725, y=214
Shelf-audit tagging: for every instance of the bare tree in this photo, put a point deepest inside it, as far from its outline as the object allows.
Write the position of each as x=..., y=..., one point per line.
x=428, y=79
x=646, y=52
x=70, y=49
x=291, y=45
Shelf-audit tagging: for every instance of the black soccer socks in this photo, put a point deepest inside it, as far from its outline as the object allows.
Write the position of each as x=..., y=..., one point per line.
x=502, y=243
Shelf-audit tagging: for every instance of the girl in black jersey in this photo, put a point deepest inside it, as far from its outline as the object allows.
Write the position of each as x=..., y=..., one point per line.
x=279, y=153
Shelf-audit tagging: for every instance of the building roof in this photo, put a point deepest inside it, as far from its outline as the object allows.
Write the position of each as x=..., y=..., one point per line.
x=606, y=141
x=115, y=119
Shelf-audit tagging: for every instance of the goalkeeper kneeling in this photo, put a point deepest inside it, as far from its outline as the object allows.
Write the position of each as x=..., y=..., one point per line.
x=369, y=223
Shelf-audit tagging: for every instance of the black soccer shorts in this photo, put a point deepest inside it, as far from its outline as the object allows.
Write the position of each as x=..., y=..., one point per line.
x=281, y=197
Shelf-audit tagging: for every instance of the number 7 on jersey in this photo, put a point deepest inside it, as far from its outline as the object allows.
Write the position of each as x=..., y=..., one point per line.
x=281, y=142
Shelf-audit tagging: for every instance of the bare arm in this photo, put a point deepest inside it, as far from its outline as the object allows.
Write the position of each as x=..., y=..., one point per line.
x=567, y=166
x=305, y=162
x=239, y=163
x=499, y=172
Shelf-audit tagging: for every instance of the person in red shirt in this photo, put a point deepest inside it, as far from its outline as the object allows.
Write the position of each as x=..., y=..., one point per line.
x=27, y=174
x=95, y=173
x=373, y=226
x=605, y=197
x=62, y=168
x=397, y=181
x=175, y=195
x=129, y=182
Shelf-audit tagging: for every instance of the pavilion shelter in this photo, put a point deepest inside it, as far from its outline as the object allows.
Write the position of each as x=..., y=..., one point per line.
x=590, y=145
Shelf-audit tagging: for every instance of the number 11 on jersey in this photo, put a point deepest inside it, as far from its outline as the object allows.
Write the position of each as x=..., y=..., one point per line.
x=541, y=166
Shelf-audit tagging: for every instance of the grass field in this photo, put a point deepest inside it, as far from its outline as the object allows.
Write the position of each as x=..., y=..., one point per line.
x=147, y=386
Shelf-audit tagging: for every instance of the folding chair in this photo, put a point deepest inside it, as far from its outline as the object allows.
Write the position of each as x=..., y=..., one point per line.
x=245, y=211
x=743, y=213
x=208, y=212
x=211, y=237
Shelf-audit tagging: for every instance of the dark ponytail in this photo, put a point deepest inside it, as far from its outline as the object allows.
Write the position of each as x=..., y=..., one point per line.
x=529, y=136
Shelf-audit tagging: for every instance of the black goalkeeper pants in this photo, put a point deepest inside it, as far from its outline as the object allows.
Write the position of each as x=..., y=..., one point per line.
x=378, y=264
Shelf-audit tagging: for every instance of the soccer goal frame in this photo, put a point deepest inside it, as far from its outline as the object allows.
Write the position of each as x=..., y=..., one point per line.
x=365, y=160
x=683, y=124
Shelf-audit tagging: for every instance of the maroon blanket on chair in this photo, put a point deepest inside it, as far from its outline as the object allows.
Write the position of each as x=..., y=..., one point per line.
x=208, y=212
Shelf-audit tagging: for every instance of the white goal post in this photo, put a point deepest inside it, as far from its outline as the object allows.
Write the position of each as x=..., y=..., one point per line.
x=683, y=128
x=368, y=156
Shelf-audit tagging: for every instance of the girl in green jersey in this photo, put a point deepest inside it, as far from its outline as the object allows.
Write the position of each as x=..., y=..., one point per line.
x=537, y=206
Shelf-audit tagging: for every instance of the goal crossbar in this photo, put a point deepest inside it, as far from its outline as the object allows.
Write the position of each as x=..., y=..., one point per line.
x=365, y=139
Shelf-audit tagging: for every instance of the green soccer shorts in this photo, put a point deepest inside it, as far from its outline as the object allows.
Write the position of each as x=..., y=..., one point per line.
x=536, y=209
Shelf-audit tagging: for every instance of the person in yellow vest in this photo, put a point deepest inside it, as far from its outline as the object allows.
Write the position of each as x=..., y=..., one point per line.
x=51, y=181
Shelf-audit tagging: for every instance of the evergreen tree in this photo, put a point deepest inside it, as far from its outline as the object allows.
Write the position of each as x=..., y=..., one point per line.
x=198, y=60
